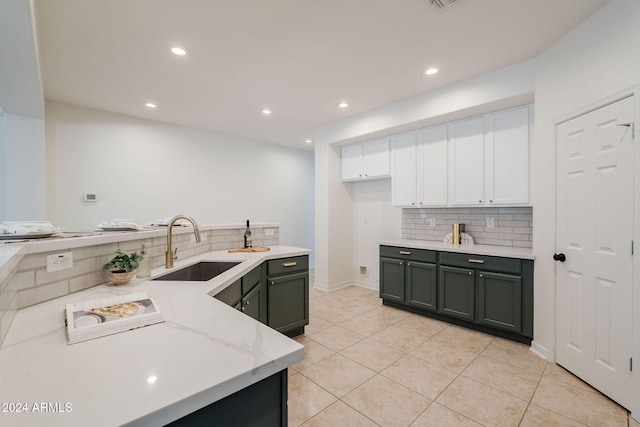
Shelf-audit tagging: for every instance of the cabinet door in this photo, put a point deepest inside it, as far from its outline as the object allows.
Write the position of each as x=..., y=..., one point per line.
x=507, y=157
x=500, y=301
x=421, y=285
x=466, y=162
x=352, y=162
x=288, y=301
x=403, y=170
x=456, y=292
x=432, y=166
x=253, y=304
x=376, y=158
x=392, y=279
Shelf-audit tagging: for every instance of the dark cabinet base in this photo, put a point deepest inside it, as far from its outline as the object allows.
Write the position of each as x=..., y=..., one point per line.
x=263, y=404
x=460, y=322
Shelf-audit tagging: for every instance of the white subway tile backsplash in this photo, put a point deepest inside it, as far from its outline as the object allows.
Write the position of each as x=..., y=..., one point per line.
x=513, y=226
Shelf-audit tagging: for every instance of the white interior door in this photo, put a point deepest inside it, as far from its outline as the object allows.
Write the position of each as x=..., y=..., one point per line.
x=595, y=232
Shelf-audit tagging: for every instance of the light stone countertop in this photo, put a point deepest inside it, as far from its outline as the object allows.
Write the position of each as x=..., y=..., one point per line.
x=204, y=351
x=500, y=251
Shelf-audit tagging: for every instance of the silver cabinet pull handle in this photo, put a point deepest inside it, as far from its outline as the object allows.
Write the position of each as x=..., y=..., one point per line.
x=289, y=264
x=405, y=253
x=476, y=261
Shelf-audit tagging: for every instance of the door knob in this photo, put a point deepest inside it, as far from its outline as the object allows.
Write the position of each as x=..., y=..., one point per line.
x=559, y=257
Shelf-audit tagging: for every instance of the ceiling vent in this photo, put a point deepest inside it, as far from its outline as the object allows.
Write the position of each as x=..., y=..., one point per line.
x=441, y=4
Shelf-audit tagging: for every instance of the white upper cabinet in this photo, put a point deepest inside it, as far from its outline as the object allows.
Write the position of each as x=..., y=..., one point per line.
x=366, y=160
x=466, y=162
x=404, y=170
x=432, y=166
x=480, y=161
x=507, y=157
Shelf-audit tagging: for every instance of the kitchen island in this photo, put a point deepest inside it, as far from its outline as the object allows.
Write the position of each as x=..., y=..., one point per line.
x=202, y=353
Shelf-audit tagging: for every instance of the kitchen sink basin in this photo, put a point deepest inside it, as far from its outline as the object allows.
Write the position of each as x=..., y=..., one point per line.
x=199, y=272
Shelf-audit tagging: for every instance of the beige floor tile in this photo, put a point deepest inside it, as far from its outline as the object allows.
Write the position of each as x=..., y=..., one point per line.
x=315, y=293
x=337, y=301
x=334, y=314
x=373, y=298
x=340, y=414
x=588, y=407
x=372, y=354
x=316, y=306
x=362, y=308
x=482, y=403
x=515, y=354
x=336, y=338
x=510, y=379
x=313, y=353
x=438, y=416
x=355, y=291
x=305, y=399
x=387, y=402
x=387, y=313
x=467, y=338
x=420, y=376
x=540, y=417
x=422, y=325
x=337, y=374
x=365, y=326
x=558, y=373
x=399, y=339
x=316, y=325
x=440, y=351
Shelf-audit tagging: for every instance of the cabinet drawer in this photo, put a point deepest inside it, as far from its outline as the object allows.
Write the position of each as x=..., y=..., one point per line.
x=287, y=265
x=408, y=254
x=481, y=262
x=231, y=294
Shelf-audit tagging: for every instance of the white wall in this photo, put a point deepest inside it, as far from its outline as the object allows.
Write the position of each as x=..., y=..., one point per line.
x=589, y=66
x=24, y=169
x=336, y=250
x=146, y=170
x=374, y=219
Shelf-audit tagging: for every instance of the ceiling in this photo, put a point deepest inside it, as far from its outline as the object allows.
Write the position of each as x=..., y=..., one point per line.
x=298, y=58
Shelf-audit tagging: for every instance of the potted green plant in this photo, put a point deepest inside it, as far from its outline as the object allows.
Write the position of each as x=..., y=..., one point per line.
x=121, y=268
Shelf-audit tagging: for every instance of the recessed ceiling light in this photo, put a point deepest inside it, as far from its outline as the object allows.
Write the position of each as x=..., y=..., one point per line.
x=178, y=51
x=266, y=112
x=308, y=141
x=151, y=105
x=343, y=105
x=431, y=71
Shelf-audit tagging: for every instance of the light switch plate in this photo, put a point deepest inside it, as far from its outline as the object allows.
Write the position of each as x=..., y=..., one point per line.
x=490, y=222
x=59, y=262
x=269, y=231
x=432, y=222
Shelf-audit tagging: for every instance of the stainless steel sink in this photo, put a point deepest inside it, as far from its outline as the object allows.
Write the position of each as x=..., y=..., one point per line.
x=199, y=272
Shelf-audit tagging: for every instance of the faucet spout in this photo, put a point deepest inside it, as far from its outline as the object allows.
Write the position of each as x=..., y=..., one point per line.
x=169, y=255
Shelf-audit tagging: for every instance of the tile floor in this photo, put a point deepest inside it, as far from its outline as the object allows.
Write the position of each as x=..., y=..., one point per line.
x=367, y=364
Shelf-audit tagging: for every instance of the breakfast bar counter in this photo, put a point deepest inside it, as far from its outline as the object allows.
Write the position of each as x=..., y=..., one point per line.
x=204, y=351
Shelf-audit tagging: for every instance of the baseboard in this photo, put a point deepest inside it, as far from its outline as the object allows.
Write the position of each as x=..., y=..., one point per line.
x=541, y=351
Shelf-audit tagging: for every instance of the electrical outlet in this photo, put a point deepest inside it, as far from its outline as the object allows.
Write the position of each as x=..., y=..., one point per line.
x=490, y=222
x=432, y=222
x=59, y=262
x=269, y=232
x=363, y=271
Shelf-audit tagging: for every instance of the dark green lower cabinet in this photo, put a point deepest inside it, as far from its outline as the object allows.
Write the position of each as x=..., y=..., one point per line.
x=487, y=293
x=421, y=285
x=456, y=287
x=500, y=300
x=288, y=302
x=392, y=279
x=263, y=404
x=253, y=304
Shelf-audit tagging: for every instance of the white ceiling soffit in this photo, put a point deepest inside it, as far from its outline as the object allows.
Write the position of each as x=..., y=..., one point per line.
x=298, y=58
